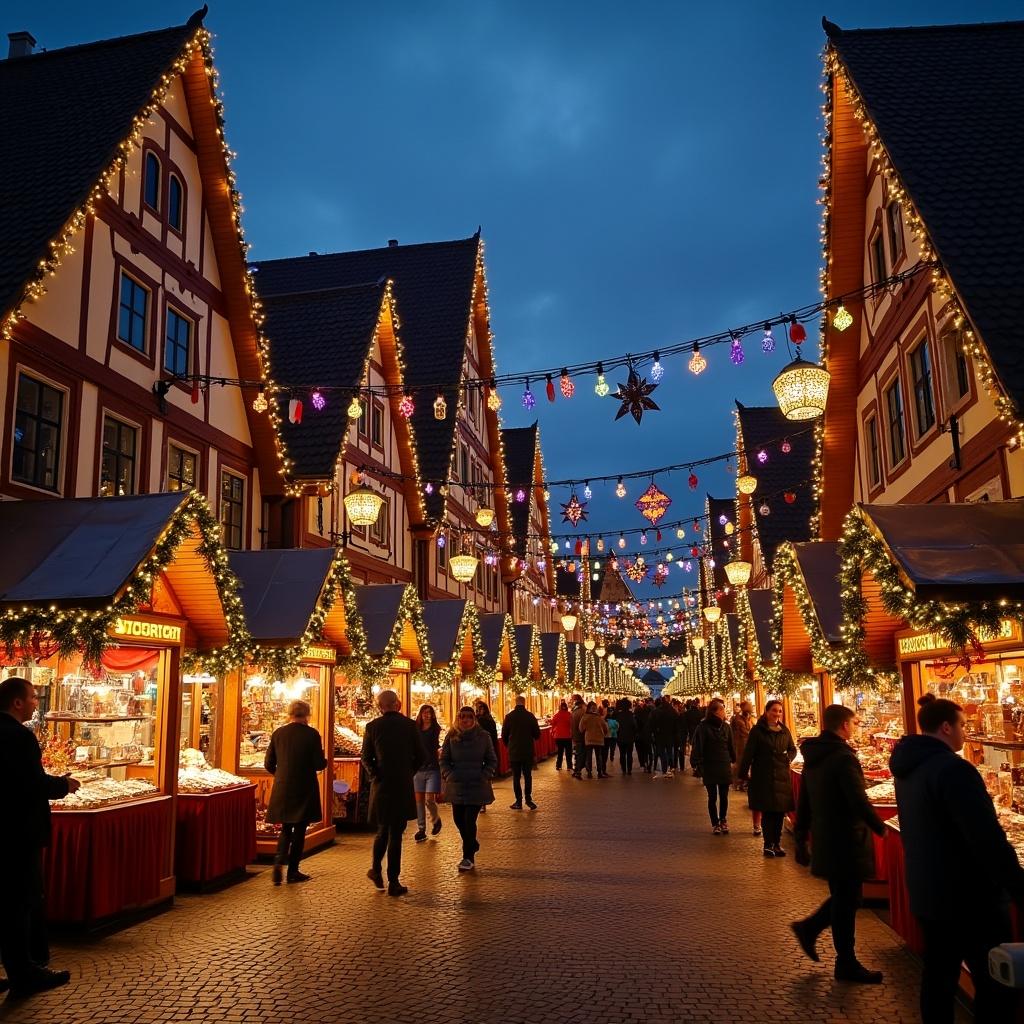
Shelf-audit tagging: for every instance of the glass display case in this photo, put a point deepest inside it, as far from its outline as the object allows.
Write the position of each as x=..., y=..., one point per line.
x=265, y=708
x=42, y=679
x=881, y=726
x=353, y=710
x=806, y=703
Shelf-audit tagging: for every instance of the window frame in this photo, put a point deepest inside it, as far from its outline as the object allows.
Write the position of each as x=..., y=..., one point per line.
x=173, y=310
x=136, y=456
x=174, y=178
x=376, y=424
x=895, y=234
x=124, y=275
x=222, y=502
x=950, y=342
x=876, y=249
x=65, y=399
x=894, y=387
x=913, y=355
x=379, y=532
x=173, y=445
x=149, y=153
x=873, y=450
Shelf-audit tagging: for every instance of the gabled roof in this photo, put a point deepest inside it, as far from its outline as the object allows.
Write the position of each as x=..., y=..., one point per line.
x=324, y=337
x=433, y=286
x=525, y=642
x=764, y=427
x=652, y=678
x=443, y=620
x=550, y=645
x=820, y=565
x=762, y=613
x=492, y=631
x=280, y=589
x=379, y=605
x=617, y=589
x=948, y=104
x=520, y=445
x=65, y=114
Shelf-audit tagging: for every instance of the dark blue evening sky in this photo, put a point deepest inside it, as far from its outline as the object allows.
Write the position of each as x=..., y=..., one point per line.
x=643, y=173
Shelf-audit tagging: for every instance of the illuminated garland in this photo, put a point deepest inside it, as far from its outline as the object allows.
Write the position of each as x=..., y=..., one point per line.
x=78, y=630
x=448, y=671
x=521, y=680
x=958, y=624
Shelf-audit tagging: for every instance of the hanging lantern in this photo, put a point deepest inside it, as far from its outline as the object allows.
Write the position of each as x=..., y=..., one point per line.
x=698, y=643
x=680, y=532
x=363, y=505
x=590, y=643
x=601, y=387
x=698, y=364
x=529, y=401
x=692, y=480
x=568, y=622
x=738, y=572
x=790, y=497
x=768, y=341
x=802, y=390
x=493, y=398
x=355, y=408
x=463, y=567
x=406, y=407
x=549, y=388
x=295, y=410
x=600, y=652
x=797, y=334
x=484, y=516
x=440, y=407
x=600, y=543
x=842, y=318
x=746, y=484
x=259, y=403
x=736, y=350
x=318, y=401
x=712, y=613
x=765, y=509
x=729, y=531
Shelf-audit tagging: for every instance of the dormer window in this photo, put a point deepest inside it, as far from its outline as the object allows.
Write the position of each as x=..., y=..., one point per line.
x=174, y=202
x=151, y=192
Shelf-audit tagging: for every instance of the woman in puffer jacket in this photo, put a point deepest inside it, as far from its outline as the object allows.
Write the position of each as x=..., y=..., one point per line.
x=468, y=763
x=713, y=756
x=595, y=731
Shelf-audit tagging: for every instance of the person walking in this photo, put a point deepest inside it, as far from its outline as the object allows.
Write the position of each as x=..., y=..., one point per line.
x=579, y=746
x=611, y=744
x=392, y=754
x=836, y=815
x=627, y=735
x=295, y=755
x=561, y=732
x=949, y=829
x=644, y=725
x=741, y=723
x=427, y=780
x=663, y=735
x=468, y=763
x=489, y=726
x=25, y=792
x=765, y=769
x=595, y=731
x=714, y=755
x=519, y=732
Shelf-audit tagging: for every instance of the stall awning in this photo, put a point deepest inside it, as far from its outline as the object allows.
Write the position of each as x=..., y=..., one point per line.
x=961, y=552
x=807, y=584
x=760, y=602
x=819, y=566
x=494, y=628
x=386, y=611
x=551, y=646
x=447, y=625
x=526, y=654
x=280, y=590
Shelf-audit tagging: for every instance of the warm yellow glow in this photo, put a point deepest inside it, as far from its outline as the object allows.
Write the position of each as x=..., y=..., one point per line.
x=463, y=567
x=712, y=613
x=600, y=652
x=738, y=572
x=802, y=390
x=355, y=408
x=698, y=643
x=842, y=318
x=568, y=622
x=746, y=484
x=484, y=516
x=590, y=643
x=363, y=505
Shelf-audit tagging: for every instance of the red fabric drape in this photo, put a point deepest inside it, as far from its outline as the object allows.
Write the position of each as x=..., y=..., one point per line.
x=215, y=834
x=129, y=659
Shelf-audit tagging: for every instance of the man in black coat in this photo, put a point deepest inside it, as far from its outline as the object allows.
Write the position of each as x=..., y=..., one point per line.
x=950, y=831
x=295, y=755
x=663, y=735
x=392, y=753
x=627, y=736
x=835, y=812
x=25, y=790
x=518, y=732
x=644, y=713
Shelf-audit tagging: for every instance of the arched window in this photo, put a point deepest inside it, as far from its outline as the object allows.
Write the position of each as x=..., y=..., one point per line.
x=152, y=182
x=174, y=196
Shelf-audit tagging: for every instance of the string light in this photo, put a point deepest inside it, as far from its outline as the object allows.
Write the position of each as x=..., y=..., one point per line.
x=493, y=398
x=620, y=489
x=406, y=407
x=440, y=407
x=736, y=350
x=529, y=401
x=698, y=364
x=259, y=403
x=657, y=370
x=841, y=318
x=768, y=341
x=601, y=387
x=565, y=382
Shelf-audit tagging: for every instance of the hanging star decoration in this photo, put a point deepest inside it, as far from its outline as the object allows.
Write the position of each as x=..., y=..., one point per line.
x=653, y=504
x=635, y=397
x=574, y=510
x=637, y=571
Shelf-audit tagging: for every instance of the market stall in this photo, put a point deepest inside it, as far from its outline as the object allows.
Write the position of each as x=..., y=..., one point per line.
x=99, y=599
x=756, y=618
x=456, y=676
x=554, y=655
x=500, y=659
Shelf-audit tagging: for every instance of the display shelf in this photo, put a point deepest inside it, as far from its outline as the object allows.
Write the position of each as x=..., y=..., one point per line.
x=54, y=716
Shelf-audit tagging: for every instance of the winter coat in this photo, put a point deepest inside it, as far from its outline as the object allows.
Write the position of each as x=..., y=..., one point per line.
x=577, y=715
x=518, y=732
x=766, y=759
x=835, y=811
x=392, y=754
x=490, y=726
x=682, y=732
x=467, y=766
x=25, y=790
x=950, y=830
x=613, y=727
x=561, y=725
x=741, y=725
x=627, y=727
x=295, y=755
x=644, y=723
x=594, y=729
x=713, y=754
x=663, y=726
x=692, y=717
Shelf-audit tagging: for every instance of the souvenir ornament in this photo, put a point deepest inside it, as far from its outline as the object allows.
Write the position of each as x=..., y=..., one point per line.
x=653, y=504
x=635, y=397
x=574, y=510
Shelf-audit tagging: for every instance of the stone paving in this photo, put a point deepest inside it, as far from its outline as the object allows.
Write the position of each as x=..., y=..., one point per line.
x=611, y=903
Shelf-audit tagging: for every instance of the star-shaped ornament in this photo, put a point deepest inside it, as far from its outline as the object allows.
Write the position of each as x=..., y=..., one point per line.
x=653, y=504
x=635, y=397
x=574, y=510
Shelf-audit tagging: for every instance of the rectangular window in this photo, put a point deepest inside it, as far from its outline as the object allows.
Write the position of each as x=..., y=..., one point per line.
x=877, y=254
x=232, y=509
x=363, y=421
x=38, y=425
x=921, y=371
x=464, y=464
x=442, y=556
x=120, y=452
x=381, y=527
x=957, y=379
x=178, y=345
x=894, y=222
x=131, y=314
x=874, y=459
x=181, y=468
x=377, y=425
x=894, y=409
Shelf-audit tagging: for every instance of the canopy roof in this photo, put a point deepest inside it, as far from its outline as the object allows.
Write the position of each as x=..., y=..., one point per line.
x=494, y=628
x=448, y=624
x=380, y=608
x=761, y=612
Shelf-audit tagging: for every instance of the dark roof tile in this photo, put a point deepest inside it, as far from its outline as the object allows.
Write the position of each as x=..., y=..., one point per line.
x=520, y=445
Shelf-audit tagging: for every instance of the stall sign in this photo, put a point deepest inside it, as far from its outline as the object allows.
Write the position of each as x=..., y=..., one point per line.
x=143, y=629
x=313, y=653
x=930, y=643
x=401, y=664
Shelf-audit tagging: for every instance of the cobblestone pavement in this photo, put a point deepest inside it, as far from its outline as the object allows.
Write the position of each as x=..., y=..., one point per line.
x=611, y=903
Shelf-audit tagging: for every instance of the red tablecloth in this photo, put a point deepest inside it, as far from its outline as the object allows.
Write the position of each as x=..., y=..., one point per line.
x=105, y=861
x=215, y=834
x=504, y=765
x=542, y=747
x=904, y=924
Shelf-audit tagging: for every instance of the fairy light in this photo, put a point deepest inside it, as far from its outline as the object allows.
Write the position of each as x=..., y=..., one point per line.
x=698, y=364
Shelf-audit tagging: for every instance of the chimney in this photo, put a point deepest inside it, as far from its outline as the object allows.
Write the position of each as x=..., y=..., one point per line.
x=313, y=252
x=21, y=44
x=392, y=242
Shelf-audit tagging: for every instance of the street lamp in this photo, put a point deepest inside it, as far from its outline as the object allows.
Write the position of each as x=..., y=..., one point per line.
x=363, y=505
x=568, y=622
x=463, y=567
x=802, y=389
x=738, y=572
x=712, y=613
